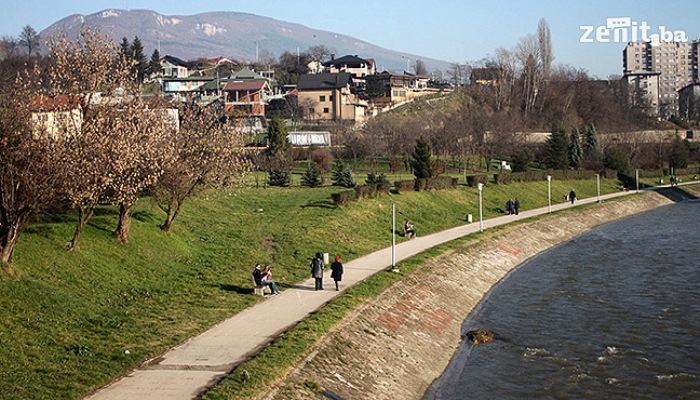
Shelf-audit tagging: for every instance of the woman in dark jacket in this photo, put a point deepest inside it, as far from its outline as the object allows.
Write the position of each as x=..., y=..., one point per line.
x=337, y=271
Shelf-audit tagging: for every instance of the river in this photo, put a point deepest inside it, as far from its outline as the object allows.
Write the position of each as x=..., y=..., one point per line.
x=611, y=314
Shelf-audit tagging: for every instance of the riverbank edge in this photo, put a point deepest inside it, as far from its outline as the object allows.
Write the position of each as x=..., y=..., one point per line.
x=398, y=343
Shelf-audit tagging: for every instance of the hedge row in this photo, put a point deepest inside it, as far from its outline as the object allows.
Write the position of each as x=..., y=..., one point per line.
x=437, y=183
x=344, y=197
x=405, y=186
x=360, y=192
x=534, y=176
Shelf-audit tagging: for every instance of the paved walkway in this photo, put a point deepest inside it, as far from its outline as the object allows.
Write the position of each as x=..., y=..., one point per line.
x=189, y=368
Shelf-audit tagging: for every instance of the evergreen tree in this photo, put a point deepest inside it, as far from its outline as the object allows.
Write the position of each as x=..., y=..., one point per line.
x=575, y=152
x=617, y=158
x=590, y=142
x=277, y=137
x=342, y=176
x=154, y=66
x=311, y=178
x=421, y=162
x=521, y=160
x=140, y=64
x=678, y=158
x=280, y=178
x=556, y=150
x=278, y=153
x=125, y=49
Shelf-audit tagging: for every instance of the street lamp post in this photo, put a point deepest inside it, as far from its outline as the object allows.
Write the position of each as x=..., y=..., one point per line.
x=636, y=178
x=393, y=236
x=597, y=183
x=481, y=214
x=549, y=193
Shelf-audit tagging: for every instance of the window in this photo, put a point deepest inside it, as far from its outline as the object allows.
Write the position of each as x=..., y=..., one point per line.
x=326, y=110
x=312, y=111
x=322, y=98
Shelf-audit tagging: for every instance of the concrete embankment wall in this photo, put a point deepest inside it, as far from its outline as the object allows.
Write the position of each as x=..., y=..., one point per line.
x=398, y=343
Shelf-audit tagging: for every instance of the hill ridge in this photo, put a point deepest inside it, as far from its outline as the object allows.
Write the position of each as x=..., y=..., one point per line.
x=239, y=35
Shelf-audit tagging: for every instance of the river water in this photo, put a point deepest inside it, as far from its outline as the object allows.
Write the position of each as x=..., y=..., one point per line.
x=611, y=314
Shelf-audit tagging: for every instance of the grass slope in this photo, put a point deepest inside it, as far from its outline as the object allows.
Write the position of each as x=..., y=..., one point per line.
x=69, y=318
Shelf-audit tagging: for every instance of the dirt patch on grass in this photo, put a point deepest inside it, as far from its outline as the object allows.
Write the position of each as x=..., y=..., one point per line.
x=399, y=342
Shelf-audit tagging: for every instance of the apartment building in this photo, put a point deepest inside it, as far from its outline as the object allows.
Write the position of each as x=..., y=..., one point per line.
x=673, y=64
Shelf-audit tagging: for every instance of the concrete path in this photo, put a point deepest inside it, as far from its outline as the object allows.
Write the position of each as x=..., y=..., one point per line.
x=186, y=370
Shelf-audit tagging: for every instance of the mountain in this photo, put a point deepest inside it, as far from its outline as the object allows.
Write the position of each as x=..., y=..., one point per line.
x=235, y=35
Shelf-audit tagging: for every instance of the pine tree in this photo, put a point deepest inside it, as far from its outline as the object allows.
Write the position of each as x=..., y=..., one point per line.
x=311, y=178
x=278, y=153
x=575, y=152
x=590, y=142
x=342, y=176
x=125, y=49
x=421, y=162
x=679, y=154
x=556, y=149
x=280, y=178
x=140, y=64
x=154, y=67
x=277, y=136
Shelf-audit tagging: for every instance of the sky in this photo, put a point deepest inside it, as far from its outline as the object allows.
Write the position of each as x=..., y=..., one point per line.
x=456, y=31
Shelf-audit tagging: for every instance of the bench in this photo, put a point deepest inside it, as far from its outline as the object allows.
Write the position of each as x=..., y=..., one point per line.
x=261, y=290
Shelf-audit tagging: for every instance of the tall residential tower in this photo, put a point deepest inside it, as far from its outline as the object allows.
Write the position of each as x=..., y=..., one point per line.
x=659, y=71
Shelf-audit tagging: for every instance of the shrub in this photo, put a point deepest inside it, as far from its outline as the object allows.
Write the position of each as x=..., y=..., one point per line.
x=344, y=197
x=404, y=186
x=365, y=191
x=312, y=177
x=473, y=180
x=342, y=176
x=280, y=178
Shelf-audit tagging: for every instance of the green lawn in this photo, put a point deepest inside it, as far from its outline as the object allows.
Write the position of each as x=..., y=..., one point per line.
x=69, y=318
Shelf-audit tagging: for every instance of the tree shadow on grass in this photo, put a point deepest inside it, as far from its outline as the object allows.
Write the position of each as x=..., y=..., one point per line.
x=236, y=288
x=319, y=204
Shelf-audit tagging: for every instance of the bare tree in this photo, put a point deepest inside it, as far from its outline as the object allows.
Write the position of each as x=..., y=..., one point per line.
x=457, y=74
x=318, y=53
x=544, y=39
x=8, y=47
x=527, y=53
x=421, y=70
x=207, y=155
x=30, y=39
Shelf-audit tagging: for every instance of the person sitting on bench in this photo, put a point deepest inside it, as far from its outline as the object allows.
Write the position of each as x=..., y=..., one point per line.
x=409, y=231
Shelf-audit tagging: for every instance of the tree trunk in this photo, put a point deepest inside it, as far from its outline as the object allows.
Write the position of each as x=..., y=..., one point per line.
x=122, y=231
x=84, y=215
x=9, y=236
x=172, y=213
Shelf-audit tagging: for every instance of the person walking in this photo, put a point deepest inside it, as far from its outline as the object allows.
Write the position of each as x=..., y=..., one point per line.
x=572, y=196
x=317, y=267
x=516, y=206
x=509, y=207
x=337, y=271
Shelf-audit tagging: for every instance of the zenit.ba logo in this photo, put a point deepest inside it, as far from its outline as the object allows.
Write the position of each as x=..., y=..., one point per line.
x=623, y=30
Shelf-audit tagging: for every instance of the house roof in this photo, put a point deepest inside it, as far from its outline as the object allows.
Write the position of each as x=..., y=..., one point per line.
x=324, y=81
x=348, y=60
x=174, y=61
x=59, y=103
x=251, y=86
x=247, y=74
